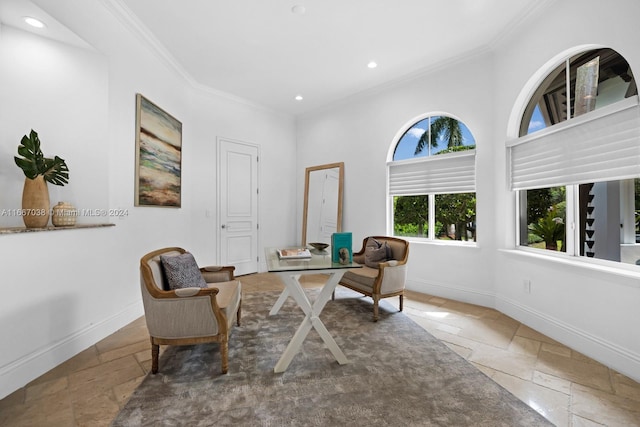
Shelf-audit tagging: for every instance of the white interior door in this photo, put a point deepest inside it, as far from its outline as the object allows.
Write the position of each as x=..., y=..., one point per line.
x=238, y=205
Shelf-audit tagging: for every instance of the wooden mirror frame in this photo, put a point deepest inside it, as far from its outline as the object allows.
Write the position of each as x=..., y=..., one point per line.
x=305, y=212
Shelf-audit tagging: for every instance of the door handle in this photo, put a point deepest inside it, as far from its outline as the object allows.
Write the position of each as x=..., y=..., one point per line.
x=223, y=226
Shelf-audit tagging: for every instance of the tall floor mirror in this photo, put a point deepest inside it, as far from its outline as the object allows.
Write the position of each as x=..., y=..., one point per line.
x=322, y=215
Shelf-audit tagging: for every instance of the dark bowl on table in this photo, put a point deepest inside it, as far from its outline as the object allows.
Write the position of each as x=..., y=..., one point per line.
x=319, y=246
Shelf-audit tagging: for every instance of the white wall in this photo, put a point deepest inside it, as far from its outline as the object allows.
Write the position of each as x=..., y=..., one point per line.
x=360, y=132
x=34, y=71
x=65, y=290
x=592, y=309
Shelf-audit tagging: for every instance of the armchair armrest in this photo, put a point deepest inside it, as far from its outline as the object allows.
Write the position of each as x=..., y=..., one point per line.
x=393, y=276
x=392, y=263
x=217, y=273
x=184, y=312
x=212, y=268
x=187, y=292
x=358, y=257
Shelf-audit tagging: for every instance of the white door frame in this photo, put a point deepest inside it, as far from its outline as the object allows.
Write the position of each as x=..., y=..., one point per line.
x=219, y=223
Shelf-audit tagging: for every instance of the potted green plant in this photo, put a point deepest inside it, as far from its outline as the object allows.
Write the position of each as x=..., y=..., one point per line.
x=549, y=228
x=38, y=170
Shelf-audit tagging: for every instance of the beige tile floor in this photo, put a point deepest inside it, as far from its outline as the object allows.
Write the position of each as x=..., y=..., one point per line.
x=563, y=385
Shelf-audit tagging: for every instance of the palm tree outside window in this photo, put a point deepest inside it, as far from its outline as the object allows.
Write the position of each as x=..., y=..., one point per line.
x=429, y=198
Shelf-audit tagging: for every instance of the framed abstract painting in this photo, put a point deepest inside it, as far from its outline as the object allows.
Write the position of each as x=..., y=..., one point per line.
x=158, y=156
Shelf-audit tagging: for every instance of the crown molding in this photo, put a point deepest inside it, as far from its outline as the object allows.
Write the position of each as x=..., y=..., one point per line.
x=120, y=10
x=535, y=9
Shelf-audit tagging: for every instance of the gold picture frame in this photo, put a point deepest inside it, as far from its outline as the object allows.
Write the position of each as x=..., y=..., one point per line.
x=158, y=156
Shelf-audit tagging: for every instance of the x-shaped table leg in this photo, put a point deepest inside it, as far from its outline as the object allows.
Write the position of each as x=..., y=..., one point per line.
x=312, y=317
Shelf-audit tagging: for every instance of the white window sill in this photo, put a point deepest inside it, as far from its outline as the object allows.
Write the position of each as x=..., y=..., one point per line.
x=453, y=243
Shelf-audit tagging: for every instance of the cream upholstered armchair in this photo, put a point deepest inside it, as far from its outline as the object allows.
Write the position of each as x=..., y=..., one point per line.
x=200, y=308
x=384, y=271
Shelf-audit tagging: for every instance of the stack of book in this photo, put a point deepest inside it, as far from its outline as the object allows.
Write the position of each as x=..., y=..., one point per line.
x=294, y=253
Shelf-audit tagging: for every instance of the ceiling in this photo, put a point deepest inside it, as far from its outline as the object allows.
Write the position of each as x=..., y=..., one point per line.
x=12, y=13
x=267, y=52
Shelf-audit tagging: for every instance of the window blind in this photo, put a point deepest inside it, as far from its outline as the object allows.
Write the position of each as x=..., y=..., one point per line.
x=602, y=145
x=439, y=174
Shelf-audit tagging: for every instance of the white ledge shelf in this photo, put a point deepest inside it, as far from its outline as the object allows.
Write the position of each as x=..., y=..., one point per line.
x=18, y=230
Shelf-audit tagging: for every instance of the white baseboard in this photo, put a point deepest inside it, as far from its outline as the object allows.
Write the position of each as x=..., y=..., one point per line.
x=17, y=374
x=609, y=354
x=612, y=355
x=457, y=293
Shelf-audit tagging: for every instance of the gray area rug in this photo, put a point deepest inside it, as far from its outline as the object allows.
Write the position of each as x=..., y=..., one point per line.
x=398, y=375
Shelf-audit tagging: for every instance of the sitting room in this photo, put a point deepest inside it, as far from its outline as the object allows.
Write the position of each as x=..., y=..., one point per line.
x=488, y=151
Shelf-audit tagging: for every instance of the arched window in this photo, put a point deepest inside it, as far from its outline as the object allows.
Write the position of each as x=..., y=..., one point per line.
x=576, y=163
x=432, y=180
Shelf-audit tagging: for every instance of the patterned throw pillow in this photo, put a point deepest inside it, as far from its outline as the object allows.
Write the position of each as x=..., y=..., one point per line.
x=182, y=271
x=376, y=252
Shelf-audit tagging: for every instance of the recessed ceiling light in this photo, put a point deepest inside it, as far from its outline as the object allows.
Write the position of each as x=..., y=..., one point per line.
x=298, y=9
x=372, y=64
x=34, y=22
x=299, y=98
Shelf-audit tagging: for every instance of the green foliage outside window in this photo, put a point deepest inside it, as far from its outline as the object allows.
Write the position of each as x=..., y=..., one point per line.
x=411, y=215
x=457, y=214
x=546, y=215
x=550, y=229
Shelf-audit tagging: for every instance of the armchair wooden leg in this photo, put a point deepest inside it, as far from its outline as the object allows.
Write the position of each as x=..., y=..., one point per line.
x=155, y=353
x=401, y=301
x=333, y=295
x=375, y=308
x=224, y=353
x=239, y=313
